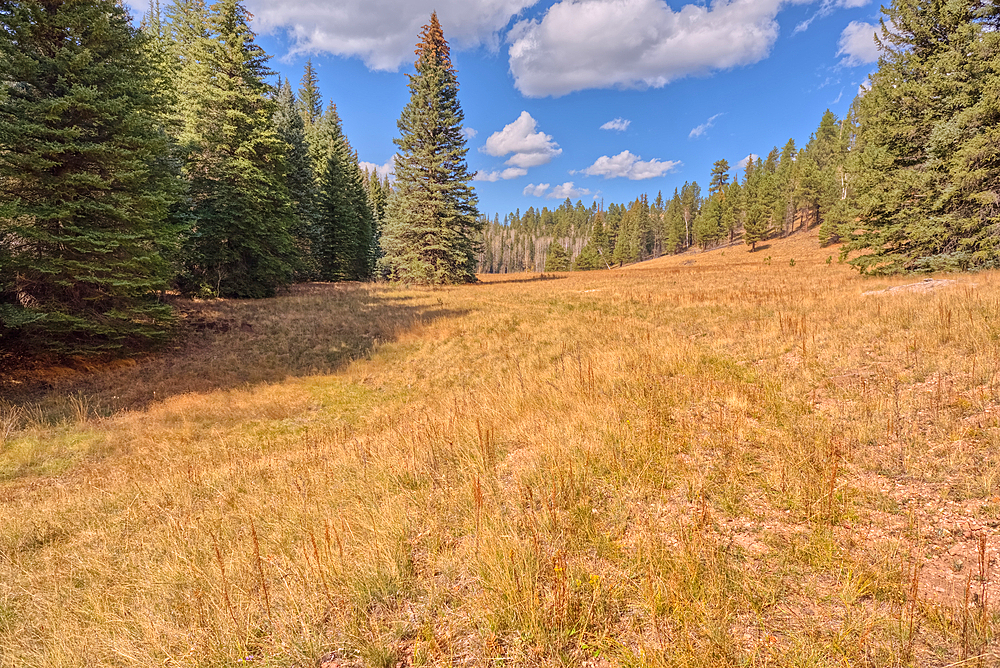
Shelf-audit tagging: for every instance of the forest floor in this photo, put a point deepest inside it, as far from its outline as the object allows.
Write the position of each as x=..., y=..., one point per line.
x=727, y=458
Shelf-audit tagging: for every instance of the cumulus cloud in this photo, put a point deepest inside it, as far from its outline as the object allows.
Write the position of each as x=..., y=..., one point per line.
x=388, y=169
x=857, y=44
x=630, y=166
x=619, y=124
x=567, y=190
x=700, y=130
x=469, y=133
x=531, y=190
x=530, y=148
x=506, y=175
x=742, y=164
x=580, y=44
x=382, y=32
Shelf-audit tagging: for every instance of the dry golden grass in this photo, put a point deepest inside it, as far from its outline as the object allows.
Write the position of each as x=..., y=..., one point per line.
x=714, y=459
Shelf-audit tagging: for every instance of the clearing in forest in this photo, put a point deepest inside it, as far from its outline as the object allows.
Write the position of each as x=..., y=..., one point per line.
x=713, y=459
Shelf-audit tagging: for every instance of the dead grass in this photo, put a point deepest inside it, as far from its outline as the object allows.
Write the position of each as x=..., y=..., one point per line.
x=715, y=459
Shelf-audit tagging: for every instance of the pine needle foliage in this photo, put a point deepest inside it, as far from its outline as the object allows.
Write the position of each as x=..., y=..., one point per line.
x=432, y=224
x=85, y=185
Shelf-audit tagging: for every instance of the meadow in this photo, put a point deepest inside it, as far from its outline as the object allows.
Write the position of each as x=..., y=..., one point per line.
x=713, y=459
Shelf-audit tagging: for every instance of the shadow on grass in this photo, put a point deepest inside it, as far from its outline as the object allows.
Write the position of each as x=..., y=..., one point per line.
x=314, y=329
x=492, y=279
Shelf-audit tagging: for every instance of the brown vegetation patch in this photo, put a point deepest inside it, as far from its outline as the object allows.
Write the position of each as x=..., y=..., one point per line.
x=732, y=463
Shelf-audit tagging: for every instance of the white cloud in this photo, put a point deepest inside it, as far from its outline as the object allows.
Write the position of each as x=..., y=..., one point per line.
x=469, y=133
x=630, y=166
x=826, y=9
x=582, y=44
x=382, y=32
x=619, y=124
x=857, y=44
x=529, y=148
x=700, y=130
x=506, y=175
x=388, y=169
x=531, y=190
x=742, y=164
x=567, y=190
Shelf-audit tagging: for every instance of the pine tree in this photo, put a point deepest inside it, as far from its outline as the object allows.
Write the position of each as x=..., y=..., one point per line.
x=720, y=177
x=732, y=204
x=300, y=180
x=557, y=259
x=674, y=224
x=783, y=213
x=377, y=200
x=187, y=69
x=755, y=223
x=240, y=244
x=432, y=225
x=344, y=240
x=86, y=180
x=690, y=208
x=310, y=102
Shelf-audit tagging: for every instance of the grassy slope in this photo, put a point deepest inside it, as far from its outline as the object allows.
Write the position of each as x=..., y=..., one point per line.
x=714, y=459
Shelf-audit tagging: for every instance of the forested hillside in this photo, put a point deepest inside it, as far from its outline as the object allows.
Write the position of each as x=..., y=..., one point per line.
x=788, y=190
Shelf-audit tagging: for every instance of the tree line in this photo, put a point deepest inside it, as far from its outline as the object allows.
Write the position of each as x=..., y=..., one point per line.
x=908, y=180
x=790, y=189
x=138, y=160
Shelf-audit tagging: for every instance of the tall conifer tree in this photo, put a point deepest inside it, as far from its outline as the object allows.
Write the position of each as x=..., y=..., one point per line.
x=310, y=102
x=928, y=173
x=240, y=244
x=86, y=183
x=432, y=223
x=345, y=229
x=299, y=178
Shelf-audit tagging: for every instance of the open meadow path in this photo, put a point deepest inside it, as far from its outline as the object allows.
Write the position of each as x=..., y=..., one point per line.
x=714, y=459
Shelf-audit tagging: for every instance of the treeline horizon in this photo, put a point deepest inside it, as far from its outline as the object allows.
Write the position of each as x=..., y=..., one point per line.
x=909, y=179
x=787, y=190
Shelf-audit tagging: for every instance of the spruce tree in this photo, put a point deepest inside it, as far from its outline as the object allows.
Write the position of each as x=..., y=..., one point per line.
x=310, y=102
x=557, y=258
x=240, y=244
x=432, y=225
x=299, y=179
x=926, y=167
x=377, y=200
x=345, y=230
x=86, y=180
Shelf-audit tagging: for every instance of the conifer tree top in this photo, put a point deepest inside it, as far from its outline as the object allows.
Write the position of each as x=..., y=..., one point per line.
x=432, y=49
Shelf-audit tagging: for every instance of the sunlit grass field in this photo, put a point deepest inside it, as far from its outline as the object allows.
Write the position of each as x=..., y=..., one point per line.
x=714, y=459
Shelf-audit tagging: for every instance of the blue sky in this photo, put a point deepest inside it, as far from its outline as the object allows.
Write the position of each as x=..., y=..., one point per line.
x=675, y=86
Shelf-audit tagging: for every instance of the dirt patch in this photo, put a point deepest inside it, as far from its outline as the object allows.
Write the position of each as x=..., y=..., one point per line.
x=926, y=285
